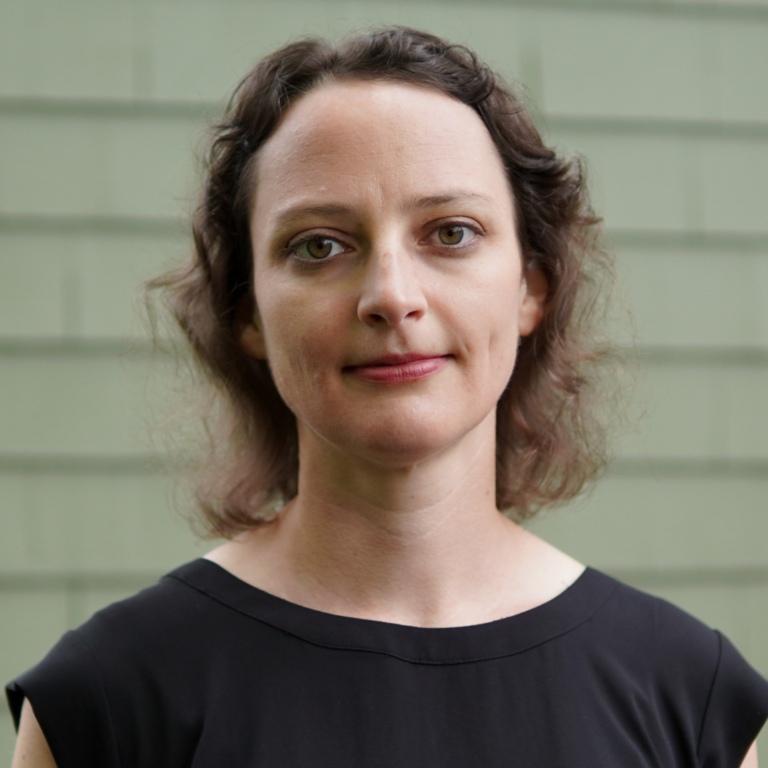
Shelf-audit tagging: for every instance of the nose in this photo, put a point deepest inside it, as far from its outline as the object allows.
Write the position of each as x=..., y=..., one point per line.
x=391, y=291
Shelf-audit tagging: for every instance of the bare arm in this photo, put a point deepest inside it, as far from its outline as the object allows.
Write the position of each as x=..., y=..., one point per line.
x=32, y=749
x=750, y=761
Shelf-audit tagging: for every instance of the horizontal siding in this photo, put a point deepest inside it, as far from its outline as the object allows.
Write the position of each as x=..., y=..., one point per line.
x=83, y=285
x=86, y=406
x=91, y=521
x=697, y=297
x=701, y=411
x=74, y=165
x=83, y=48
x=675, y=183
x=661, y=63
x=652, y=522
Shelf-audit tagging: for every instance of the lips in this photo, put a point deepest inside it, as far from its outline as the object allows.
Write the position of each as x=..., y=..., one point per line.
x=394, y=369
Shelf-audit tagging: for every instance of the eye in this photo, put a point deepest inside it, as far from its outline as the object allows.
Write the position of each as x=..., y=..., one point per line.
x=316, y=248
x=455, y=234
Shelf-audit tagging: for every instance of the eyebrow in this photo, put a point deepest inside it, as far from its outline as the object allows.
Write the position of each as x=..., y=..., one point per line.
x=295, y=212
x=434, y=201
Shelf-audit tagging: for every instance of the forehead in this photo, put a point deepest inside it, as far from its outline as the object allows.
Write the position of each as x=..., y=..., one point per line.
x=378, y=138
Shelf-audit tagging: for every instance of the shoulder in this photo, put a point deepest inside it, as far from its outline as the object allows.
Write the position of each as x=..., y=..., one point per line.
x=124, y=669
x=635, y=640
x=150, y=643
x=169, y=611
x=692, y=672
x=665, y=633
x=139, y=623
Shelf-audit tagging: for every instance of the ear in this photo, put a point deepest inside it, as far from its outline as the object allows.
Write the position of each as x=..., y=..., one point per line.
x=248, y=330
x=533, y=299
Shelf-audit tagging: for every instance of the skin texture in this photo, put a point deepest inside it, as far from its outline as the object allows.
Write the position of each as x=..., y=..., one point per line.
x=392, y=288
x=395, y=518
x=32, y=749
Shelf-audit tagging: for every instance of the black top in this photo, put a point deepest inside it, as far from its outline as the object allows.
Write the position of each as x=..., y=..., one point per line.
x=205, y=670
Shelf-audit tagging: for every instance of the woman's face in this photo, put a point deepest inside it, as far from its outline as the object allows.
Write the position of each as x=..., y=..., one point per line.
x=387, y=271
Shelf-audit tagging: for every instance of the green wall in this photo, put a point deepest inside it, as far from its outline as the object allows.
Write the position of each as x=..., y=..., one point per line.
x=101, y=106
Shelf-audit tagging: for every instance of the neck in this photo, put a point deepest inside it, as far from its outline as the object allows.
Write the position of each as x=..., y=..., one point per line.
x=410, y=545
x=422, y=545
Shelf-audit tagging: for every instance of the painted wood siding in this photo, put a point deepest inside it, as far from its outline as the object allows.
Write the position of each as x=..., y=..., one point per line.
x=102, y=105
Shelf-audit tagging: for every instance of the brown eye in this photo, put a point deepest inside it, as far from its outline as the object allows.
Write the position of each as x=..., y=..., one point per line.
x=452, y=234
x=317, y=248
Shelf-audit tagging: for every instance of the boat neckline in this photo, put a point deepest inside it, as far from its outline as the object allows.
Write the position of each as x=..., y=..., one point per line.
x=563, y=613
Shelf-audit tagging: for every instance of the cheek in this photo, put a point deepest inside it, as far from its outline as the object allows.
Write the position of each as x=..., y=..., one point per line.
x=502, y=342
x=494, y=316
x=303, y=342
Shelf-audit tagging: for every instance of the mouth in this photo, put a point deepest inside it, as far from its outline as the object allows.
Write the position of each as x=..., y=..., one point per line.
x=396, y=369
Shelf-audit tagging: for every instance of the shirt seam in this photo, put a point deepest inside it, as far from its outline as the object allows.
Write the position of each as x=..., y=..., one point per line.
x=400, y=657
x=710, y=693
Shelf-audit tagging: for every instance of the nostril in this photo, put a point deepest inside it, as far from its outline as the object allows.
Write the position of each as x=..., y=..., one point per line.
x=390, y=293
x=391, y=316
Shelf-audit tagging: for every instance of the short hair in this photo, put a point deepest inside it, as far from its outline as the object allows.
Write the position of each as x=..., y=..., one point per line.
x=550, y=436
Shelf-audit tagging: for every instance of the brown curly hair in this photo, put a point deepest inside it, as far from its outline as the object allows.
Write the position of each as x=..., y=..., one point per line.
x=550, y=440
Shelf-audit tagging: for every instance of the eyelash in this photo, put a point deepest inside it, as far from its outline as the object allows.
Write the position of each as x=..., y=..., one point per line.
x=455, y=225
x=290, y=249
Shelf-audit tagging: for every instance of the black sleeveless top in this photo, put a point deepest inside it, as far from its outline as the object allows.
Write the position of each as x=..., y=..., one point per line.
x=205, y=670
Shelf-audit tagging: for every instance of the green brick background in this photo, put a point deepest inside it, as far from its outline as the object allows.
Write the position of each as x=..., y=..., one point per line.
x=102, y=105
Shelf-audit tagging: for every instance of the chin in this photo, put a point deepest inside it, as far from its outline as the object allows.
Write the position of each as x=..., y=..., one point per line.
x=399, y=455
x=402, y=445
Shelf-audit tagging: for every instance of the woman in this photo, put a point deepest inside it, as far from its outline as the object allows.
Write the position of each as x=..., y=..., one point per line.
x=390, y=291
